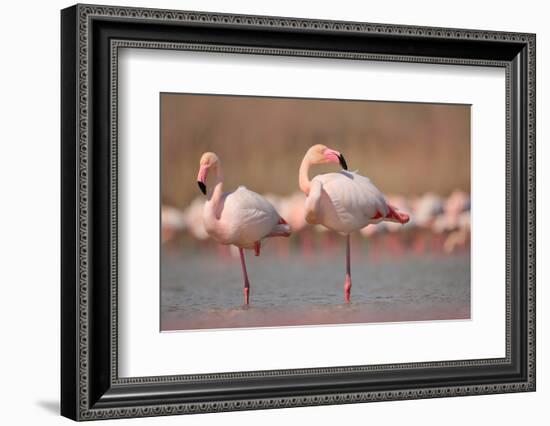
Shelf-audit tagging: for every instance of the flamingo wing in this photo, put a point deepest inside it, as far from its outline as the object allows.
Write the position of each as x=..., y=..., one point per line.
x=250, y=216
x=350, y=201
x=369, y=197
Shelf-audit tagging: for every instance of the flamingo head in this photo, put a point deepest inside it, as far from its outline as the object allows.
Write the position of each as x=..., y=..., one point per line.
x=208, y=161
x=320, y=154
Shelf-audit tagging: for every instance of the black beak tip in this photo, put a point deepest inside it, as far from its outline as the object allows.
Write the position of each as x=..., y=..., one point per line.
x=202, y=187
x=343, y=162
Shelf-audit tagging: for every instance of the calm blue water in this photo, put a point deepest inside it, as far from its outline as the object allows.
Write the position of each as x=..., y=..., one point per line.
x=203, y=289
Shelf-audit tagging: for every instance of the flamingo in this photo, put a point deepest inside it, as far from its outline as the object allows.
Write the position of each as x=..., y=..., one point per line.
x=193, y=218
x=242, y=217
x=343, y=202
x=172, y=222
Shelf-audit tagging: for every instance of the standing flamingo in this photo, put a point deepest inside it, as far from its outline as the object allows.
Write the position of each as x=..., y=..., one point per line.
x=242, y=217
x=343, y=201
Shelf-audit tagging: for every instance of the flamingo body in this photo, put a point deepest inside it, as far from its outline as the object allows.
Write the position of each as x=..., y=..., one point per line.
x=245, y=219
x=346, y=201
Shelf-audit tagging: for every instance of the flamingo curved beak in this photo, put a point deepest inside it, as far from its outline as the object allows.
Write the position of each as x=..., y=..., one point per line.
x=335, y=157
x=342, y=162
x=201, y=178
x=202, y=187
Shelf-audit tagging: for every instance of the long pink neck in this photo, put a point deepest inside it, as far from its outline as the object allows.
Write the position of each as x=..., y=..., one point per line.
x=215, y=196
x=303, y=177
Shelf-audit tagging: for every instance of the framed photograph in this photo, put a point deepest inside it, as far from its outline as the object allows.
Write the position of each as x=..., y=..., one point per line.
x=263, y=212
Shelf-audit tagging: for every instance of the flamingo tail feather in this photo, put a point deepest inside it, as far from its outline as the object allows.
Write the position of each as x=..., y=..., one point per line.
x=282, y=229
x=395, y=215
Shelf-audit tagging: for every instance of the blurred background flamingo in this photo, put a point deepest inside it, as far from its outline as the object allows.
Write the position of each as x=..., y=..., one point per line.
x=429, y=231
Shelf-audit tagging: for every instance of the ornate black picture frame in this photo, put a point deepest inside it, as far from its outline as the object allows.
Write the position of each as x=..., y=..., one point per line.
x=91, y=36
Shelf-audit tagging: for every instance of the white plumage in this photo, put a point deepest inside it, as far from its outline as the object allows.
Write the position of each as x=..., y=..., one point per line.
x=345, y=202
x=244, y=219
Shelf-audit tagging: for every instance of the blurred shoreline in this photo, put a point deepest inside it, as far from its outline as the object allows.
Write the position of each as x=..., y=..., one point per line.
x=404, y=148
x=313, y=315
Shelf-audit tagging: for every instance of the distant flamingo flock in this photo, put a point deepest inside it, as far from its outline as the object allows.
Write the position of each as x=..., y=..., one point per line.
x=344, y=202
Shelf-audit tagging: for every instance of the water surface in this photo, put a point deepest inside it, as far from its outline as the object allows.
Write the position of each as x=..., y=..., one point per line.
x=202, y=289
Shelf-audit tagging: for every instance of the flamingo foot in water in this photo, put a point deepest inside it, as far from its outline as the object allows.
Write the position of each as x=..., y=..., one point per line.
x=347, y=283
x=246, y=289
x=246, y=292
x=347, y=288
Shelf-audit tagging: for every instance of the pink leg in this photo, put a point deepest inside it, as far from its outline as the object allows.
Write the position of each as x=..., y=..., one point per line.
x=257, y=246
x=246, y=289
x=347, y=283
